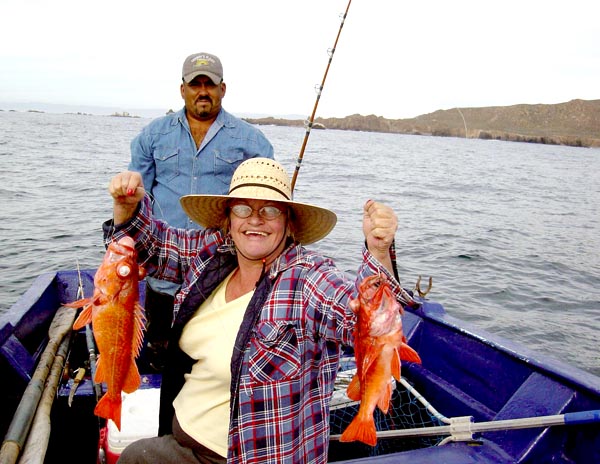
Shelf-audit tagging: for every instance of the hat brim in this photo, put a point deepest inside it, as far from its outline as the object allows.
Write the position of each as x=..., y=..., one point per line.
x=216, y=79
x=311, y=223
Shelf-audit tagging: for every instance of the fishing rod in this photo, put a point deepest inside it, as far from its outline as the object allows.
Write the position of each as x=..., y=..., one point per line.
x=22, y=420
x=311, y=119
x=91, y=346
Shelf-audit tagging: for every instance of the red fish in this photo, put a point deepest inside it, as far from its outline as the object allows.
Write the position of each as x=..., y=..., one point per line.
x=379, y=345
x=118, y=323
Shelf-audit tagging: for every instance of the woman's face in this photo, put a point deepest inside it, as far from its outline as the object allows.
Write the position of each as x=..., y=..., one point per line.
x=260, y=235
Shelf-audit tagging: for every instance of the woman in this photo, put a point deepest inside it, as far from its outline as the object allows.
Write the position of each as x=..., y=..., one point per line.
x=259, y=322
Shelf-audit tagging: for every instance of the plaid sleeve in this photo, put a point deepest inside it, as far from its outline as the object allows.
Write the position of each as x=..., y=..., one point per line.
x=165, y=252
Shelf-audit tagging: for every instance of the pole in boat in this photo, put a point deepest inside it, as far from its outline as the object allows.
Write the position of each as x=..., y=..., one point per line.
x=21, y=422
x=34, y=451
x=314, y=111
x=462, y=428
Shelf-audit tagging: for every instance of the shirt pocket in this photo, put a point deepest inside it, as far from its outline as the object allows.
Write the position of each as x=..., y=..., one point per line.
x=166, y=160
x=226, y=161
x=274, y=352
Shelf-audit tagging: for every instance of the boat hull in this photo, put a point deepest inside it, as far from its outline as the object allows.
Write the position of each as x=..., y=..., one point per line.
x=464, y=373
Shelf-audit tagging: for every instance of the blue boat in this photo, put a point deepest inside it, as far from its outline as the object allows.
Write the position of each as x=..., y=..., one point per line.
x=476, y=398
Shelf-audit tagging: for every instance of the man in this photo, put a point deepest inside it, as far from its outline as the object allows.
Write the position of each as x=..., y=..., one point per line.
x=192, y=151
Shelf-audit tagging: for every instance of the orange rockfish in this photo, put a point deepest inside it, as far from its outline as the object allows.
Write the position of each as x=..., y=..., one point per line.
x=379, y=344
x=118, y=323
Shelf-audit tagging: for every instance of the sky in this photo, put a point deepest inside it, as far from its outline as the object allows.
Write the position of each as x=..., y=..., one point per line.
x=394, y=58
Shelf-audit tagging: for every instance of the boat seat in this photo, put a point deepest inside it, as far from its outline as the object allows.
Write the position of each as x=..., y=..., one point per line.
x=538, y=396
x=15, y=354
x=450, y=400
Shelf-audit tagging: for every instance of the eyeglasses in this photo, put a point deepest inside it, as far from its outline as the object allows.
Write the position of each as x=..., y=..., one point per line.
x=267, y=212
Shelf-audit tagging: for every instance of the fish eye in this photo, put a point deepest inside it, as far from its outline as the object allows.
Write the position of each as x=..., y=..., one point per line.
x=124, y=270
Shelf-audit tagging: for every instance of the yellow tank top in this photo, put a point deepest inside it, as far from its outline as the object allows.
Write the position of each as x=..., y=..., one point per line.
x=202, y=405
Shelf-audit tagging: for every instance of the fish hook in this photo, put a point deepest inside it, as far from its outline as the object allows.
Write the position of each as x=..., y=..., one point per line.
x=422, y=293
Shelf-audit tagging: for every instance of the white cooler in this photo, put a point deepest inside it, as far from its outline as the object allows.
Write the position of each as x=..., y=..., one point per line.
x=139, y=419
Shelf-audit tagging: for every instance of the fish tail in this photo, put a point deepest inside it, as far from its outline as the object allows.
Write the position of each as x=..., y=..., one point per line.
x=362, y=430
x=110, y=408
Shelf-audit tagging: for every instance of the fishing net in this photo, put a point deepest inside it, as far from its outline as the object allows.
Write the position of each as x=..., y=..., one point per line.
x=405, y=412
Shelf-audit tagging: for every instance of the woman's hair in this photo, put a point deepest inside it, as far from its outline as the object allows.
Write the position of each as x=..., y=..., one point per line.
x=226, y=224
x=291, y=224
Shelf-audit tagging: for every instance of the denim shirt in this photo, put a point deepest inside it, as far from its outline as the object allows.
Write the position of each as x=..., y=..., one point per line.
x=165, y=154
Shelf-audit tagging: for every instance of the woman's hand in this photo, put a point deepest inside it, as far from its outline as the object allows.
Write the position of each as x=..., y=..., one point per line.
x=379, y=226
x=127, y=190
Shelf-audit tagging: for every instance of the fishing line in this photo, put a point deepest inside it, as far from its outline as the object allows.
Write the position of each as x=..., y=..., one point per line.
x=319, y=89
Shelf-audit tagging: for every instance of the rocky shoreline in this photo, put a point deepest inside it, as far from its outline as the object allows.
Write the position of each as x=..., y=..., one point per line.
x=574, y=123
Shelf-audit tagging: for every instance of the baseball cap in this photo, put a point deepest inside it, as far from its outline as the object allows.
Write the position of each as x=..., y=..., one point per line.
x=200, y=64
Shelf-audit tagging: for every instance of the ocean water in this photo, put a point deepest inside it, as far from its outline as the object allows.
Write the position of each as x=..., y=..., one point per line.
x=509, y=232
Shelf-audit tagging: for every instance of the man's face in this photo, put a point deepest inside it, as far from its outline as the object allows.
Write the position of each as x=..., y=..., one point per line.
x=202, y=97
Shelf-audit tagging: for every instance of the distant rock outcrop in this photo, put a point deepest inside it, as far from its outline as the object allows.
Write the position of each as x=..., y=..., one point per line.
x=574, y=123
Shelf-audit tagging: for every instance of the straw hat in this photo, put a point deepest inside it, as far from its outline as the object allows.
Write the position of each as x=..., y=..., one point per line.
x=261, y=179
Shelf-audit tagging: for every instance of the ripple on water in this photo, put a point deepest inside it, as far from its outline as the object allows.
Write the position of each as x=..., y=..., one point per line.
x=508, y=251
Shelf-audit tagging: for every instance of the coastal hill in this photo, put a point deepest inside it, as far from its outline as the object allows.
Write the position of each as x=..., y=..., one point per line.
x=574, y=123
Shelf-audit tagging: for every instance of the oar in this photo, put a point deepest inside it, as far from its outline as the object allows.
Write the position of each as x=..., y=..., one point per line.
x=463, y=428
x=34, y=451
x=21, y=422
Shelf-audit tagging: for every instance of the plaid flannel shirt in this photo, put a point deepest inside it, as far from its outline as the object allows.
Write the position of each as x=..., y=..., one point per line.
x=283, y=375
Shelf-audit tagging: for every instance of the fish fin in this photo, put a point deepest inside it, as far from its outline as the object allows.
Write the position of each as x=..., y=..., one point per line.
x=409, y=354
x=85, y=317
x=138, y=329
x=361, y=429
x=396, y=365
x=133, y=380
x=353, y=390
x=384, y=400
x=79, y=303
x=371, y=355
x=100, y=375
x=110, y=408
